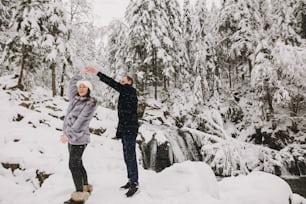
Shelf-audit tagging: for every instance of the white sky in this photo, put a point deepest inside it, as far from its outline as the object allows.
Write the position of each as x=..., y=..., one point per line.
x=107, y=10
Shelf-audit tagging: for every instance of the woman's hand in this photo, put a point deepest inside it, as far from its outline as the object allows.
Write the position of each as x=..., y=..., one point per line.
x=64, y=138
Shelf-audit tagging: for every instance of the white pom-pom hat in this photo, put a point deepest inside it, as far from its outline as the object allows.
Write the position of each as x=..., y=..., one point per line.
x=86, y=83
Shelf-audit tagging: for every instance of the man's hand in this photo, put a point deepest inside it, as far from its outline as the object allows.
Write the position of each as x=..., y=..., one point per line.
x=91, y=70
x=64, y=138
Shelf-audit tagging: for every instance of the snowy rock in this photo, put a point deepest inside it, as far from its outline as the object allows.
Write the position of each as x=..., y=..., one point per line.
x=297, y=199
x=257, y=187
x=185, y=179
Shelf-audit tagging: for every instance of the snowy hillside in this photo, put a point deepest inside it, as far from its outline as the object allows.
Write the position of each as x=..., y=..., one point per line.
x=34, y=163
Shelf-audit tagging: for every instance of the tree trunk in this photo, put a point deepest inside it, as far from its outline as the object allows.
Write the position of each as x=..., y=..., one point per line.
x=23, y=65
x=229, y=73
x=145, y=81
x=20, y=79
x=250, y=67
x=155, y=73
x=53, y=78
x=175, y=80
x=304, y=26
x=165, y=83
x=62, y=79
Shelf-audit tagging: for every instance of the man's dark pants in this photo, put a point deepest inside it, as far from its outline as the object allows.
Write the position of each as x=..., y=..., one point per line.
x=128, y=139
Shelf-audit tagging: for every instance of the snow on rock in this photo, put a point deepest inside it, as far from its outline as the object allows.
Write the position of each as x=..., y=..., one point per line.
x=297, y=199
x=257, y=187
x=183, y=179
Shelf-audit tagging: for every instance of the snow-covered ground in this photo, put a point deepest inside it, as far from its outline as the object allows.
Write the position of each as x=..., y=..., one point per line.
x=31, y=139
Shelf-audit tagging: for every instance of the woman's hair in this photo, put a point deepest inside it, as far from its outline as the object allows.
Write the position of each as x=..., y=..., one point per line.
x=88, y=93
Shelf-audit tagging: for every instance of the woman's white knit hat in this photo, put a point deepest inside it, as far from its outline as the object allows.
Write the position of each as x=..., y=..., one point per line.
x=86, y=83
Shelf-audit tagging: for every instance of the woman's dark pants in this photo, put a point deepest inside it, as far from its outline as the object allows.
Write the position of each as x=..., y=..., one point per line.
x=76, y=167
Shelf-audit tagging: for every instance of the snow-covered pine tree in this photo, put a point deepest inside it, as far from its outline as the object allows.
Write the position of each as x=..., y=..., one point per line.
x=300, y=15
x=263, y=77
x=137, y=52
x=55, y=35
x=264, y=9
x=78, y=11
x=200, y=19
x=284, y=20
x=202, y=47
x=289, y=62
x=6, y=13
x=151, y=45
x=22, y=49
x=115, y=58
x=178, y=52
x=116, y=48
x=211, y=54
x=272, y=71
x=187, y=28
x=82, y=34
x=199, y=32
x=246, y=38
x=239, y=27
x=278, y=74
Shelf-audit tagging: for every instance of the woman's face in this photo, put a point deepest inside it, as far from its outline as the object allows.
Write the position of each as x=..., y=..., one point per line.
x=83, y=90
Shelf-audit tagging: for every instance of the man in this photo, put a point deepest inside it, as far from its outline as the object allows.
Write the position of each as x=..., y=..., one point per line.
x=127, y=128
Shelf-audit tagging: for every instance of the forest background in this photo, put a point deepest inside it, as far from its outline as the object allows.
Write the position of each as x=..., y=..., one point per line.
x=224, y=85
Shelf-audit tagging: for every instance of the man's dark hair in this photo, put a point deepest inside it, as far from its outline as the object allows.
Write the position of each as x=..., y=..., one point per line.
x=130, y=79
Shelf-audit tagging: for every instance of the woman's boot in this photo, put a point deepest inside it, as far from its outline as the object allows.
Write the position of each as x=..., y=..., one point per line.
x=77, y=198
x=88, y=188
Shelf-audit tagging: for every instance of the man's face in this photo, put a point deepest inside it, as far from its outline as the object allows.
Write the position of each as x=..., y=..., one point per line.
x=125, y=80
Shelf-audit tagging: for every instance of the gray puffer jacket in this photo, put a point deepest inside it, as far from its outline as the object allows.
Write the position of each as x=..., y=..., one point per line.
x=79, y=114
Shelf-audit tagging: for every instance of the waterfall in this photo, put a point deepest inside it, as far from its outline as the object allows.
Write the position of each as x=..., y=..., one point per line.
x=301, y=166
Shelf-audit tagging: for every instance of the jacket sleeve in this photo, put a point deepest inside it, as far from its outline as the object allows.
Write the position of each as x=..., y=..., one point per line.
x=82, y=122
x=126, y=89
x=73, y=90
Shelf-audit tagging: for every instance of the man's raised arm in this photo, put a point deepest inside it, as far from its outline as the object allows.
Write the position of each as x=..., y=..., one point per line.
x=109, y=81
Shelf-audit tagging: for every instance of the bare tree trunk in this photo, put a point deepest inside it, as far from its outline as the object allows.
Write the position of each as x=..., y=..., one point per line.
x=250, y=67
x=304, y=25
x=145, y=81
x=229, y=74
x=165, y=83
x=20, y=79
x=237, y=79
x=168, y=83
x=155, y=73
x=62, y=80
x=229, y=66
x=53, y=78
x=175, y=80
x=143, y=84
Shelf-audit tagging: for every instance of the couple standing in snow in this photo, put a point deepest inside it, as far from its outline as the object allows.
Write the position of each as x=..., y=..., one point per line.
x=76, y=130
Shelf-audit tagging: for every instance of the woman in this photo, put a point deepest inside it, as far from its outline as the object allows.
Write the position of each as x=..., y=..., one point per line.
x=76, y=132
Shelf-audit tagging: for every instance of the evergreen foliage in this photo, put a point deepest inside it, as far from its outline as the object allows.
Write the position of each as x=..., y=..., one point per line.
x=236, y=72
